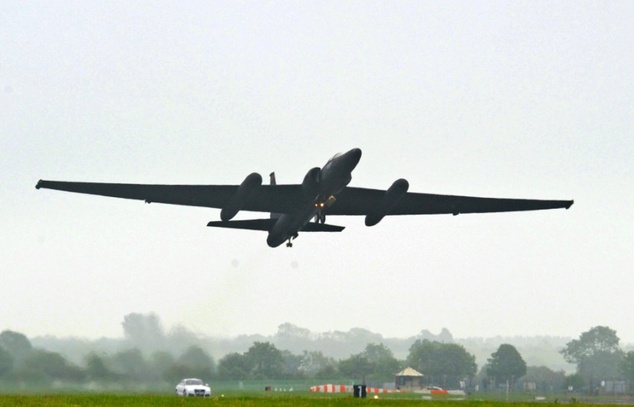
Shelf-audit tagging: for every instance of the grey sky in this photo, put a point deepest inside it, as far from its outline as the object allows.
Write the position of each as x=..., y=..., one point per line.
x=504, y=99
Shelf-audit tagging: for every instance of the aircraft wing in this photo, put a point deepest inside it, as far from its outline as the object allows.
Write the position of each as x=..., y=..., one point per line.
x=266, y=198
x=288, y=198
x=363, y=201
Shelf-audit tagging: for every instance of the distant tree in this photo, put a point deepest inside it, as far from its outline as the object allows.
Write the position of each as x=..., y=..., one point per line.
x=546, y=379
x=356, y=367
x=328, y=372
x=158, y=363
x=443, y=363
x=197, y=363
x=315, y=361
x=291, y=365
x=362, y=336
x=506, y=364
x=424, y=356
x=383, y=360
x=265, y=360
x=574, y=382
x=482, y=379
x=443, y=337
x=143, y=331
x=16, y=344
x=374, y=352
x=25, y=376
x=626, y=367
x=6, y=362
x=386, y=368
x=179, y=339
x=176, y=372
x=596, y=353
x=293, y=338
x=233, y=366
x=289, y=330
x=53, y=365
x=97, y=370
x=341, y=344
x=195, y=356
x=597, y=339
x=131, y=365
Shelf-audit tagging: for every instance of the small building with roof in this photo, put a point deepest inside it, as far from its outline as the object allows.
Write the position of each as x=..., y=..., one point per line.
x=409, y=379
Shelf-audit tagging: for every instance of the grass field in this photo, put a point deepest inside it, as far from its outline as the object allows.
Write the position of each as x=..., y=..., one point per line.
x=299, y=399
x=285, y=393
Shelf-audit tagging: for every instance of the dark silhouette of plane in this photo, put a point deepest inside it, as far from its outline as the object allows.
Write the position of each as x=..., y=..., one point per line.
x=304, y=207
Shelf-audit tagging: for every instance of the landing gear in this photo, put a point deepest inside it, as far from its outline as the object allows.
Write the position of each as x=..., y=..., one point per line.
x=289, y=243
x=320, y=217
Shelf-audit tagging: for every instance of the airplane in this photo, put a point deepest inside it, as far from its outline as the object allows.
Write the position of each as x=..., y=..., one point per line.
x=303, y=207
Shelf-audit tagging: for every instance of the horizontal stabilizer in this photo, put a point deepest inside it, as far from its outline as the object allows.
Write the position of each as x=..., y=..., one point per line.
x=321, y=227
x=267, y=224
x=251, y=224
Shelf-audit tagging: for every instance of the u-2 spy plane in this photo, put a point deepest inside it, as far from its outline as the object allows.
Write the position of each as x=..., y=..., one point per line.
x=303, y=207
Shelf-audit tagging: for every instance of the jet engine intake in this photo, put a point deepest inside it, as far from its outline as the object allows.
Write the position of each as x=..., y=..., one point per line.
x=241, y=196
x=392, y=196
x=310, y=185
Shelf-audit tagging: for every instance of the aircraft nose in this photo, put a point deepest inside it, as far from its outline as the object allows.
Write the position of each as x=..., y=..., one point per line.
x=353, y=156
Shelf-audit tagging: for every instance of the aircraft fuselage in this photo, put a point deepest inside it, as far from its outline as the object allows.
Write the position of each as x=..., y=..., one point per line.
x=333, y=177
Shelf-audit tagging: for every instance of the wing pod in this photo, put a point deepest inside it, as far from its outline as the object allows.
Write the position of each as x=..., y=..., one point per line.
x=389, y=201
x=310, y=185
x=241, y=196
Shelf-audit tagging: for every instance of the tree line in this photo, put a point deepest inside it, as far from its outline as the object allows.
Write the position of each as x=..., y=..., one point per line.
x=596, y=354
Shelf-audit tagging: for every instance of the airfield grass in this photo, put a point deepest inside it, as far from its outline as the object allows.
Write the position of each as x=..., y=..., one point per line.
x=299, y=399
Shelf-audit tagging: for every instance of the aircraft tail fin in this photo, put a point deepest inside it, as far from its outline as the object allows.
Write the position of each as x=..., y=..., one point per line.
x=273, y=181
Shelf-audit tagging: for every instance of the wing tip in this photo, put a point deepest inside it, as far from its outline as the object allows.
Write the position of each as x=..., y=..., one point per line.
x=570, y=203
x=39, y=184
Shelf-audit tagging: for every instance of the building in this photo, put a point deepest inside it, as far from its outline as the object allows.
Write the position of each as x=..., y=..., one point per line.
x=409, y=380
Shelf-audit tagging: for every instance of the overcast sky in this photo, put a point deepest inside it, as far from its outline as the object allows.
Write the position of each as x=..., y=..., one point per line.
x=503, y=99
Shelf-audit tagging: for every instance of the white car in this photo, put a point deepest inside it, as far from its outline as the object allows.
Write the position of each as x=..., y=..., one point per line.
x=193, y=387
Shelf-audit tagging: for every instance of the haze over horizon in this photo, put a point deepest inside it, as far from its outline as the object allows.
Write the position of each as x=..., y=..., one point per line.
x=513, y=100
x=421, y=332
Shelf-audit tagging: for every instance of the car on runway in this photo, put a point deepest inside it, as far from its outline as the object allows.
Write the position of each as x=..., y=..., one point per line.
x=193, y=388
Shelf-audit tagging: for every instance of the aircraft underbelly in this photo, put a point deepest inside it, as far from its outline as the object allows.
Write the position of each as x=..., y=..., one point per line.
x=289, y=225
